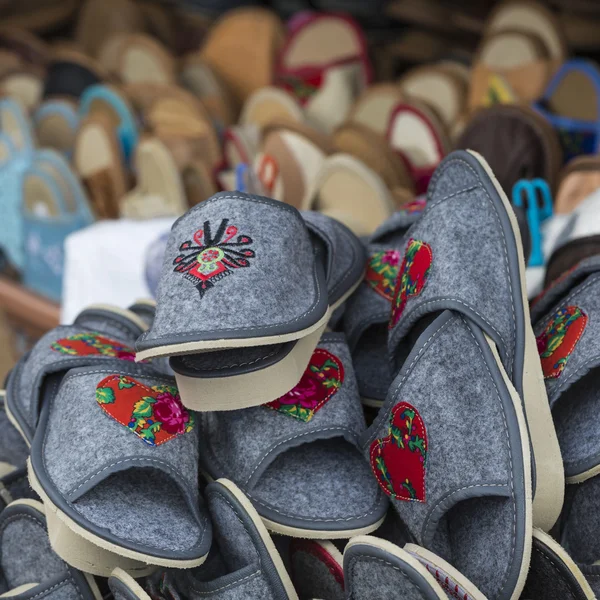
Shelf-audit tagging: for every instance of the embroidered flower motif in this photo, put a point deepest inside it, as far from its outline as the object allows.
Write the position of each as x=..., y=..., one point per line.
x=155, y=414
x=209, y=258
x=381, y=272
x=89, y=344
x=321, y=380
x=557, y=342
x=411, y=277
x=399, y=460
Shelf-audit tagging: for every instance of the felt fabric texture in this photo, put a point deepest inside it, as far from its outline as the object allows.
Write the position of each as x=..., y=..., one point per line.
x=592, y=575
x=474, y=497
x=111, y=482
x=471, y=269
x=13, y=449
x=27, y=381
x=27, y=557
x=15, y=486
x=567, y=257
x=549, y=577
x=573, y=393
x=580, y=521
x=311, y=471
x=559, y=288
x=252, y=300
x=239, y=566
x=312, y=577
x=372, y=574
x=145, y=310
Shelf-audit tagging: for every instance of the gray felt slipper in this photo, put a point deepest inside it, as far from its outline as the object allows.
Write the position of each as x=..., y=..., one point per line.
x=553, y=575
x=145, y=309
x=242, y=377
x=297, y=457
x=367, y=312
x=465, y=254
x=15, y=486
x=450, y=447
x=100, y=334
x=13, y=449
x=28, y=567
x=317, y=569
x=568, y=339
x=108, y=439
x=376, y=569
x=243, y=565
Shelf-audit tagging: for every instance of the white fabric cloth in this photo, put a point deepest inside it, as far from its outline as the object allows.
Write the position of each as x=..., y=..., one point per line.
x=105, y=263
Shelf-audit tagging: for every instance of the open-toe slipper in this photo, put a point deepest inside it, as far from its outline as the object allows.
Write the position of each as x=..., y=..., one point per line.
x=142, y=59
x=25, y=84
x=423, y=442
x=301, y=445
x=96, y=497
x=375, y=568
x=317, y=570
x=217, y=253
x=346, y=189
x=28, y=566
x=250, y=376
x=243, y=563
x=56, y=123
x=99, y=335
x=111, y=101
x=444, y=268
x=419, y=136
x=367, y=312
x=571, y=104
x=270, y=103
x=99, y=162
x=553, y=574
x=374, y=106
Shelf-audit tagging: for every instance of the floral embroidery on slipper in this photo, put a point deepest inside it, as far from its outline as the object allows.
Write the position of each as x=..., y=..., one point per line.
x=557, y=342
x=411, y=277
x=155, y=414
x=399, y=460
x=381, y=273
x=88, y=344
x=321, y=380
x=208, y=258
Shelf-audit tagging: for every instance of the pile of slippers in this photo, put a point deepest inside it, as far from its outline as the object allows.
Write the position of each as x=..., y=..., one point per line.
x=368, y=369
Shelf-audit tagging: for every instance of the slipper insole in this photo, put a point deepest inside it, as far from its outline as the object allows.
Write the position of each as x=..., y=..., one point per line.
x=54, y=131
x=25, y=553
x=510, y=50
x=413, y=137
x=371, y=363
x=324, y=479
x=38, y=198
x=582, y=521
x=136, y=505
x=439, y=91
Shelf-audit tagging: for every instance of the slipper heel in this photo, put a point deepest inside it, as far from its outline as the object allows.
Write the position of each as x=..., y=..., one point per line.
x=76, y=550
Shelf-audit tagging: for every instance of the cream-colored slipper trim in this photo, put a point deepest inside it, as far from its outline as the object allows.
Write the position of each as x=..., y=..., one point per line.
x=371, y=402
x=133, y=586
x=264, y=534
x=19, y=590
x=15, y=423
x=123, y=312
x=437, y=562
x=249, y=389
x=87, y=552
x=403, y=555
x=6, y=468
x=549, y=492
x=203, y=345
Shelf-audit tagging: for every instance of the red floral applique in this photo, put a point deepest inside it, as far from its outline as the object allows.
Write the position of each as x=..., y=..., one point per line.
x=381, y=273
x=399, y=460
x=556, y=343
x=411, y=277
x=321, y=380
x=154, y=414
x=89, y=344
x=209, y=258
x=315, y=549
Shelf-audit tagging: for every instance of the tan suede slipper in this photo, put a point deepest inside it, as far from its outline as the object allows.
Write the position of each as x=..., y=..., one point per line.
x=577, y=180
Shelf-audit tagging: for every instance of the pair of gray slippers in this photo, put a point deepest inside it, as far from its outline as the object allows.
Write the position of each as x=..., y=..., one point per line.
x=247, y=287
x=464, y=444
x=565, y=318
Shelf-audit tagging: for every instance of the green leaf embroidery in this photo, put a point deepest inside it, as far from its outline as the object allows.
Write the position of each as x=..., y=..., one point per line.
x=169, y=389
x=142, y=409
x=407, y=485
x=125, y=383
x=418, y=444
x=105, y=395
x=397, y=436
x=147, y=434
x=155, y=427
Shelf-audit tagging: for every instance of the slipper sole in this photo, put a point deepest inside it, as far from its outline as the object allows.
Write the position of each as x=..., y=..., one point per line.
x=549, y=488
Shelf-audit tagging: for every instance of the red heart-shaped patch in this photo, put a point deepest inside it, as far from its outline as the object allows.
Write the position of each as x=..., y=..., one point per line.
x=381, y=272
x=411, y=277
x=558, y=340
x=155, y=414
x=399, y=460
x=321, y=380
x=88, y=344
